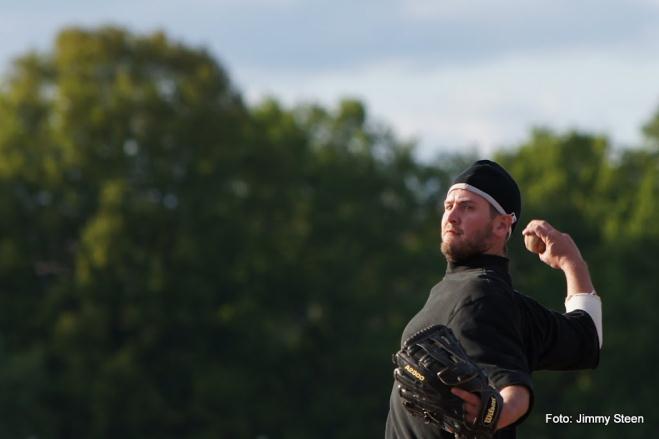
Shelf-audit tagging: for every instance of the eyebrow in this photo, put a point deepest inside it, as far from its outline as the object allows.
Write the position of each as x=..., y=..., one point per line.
x=459, y=201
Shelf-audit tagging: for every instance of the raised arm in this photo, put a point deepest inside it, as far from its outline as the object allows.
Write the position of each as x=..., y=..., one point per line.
x=562, y=253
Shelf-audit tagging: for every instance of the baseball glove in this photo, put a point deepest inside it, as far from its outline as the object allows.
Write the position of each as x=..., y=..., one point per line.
x=432, y=361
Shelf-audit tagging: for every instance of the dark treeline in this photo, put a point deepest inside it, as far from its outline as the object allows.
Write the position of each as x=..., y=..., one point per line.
x=176, y=263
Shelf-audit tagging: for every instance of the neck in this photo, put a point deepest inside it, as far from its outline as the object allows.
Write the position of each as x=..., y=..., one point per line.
x=497, y=249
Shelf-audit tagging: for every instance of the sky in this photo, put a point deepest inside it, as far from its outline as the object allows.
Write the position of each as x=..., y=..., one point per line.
x=451, y=75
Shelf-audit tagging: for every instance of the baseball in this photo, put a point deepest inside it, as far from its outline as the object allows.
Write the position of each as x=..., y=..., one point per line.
x=534, y=244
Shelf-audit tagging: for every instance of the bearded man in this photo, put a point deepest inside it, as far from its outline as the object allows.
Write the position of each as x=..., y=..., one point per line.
x=505, y=332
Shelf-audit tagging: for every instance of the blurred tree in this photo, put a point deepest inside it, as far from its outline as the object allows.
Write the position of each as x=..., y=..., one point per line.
x=116, y=147
x=651, y=130
x=162, y=233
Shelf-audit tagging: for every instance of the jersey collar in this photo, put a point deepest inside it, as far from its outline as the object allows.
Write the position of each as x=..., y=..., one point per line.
x=490, y=262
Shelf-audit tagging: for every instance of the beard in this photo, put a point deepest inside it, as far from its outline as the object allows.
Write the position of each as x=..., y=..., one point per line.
x=466, y=248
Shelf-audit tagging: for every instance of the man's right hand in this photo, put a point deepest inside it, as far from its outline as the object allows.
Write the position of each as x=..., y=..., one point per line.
x=562, y=253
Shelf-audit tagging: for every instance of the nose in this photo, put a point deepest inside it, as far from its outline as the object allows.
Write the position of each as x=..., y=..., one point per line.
x=452, y=216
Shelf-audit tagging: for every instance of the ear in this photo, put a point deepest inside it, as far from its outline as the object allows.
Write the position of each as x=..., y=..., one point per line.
x=502, y=224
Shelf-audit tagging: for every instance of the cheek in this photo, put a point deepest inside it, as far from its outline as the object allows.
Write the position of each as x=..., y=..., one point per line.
x=470, y=223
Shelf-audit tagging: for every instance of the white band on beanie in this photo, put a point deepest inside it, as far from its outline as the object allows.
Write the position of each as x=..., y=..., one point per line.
x=485, y=195
x=592, y=304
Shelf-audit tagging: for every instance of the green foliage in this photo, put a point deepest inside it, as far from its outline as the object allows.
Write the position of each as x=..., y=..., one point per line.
x=178, y=264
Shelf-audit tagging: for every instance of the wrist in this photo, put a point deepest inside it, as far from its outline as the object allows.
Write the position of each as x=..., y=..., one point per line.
x=516, y=403
x=574, y=266
x=577, y=278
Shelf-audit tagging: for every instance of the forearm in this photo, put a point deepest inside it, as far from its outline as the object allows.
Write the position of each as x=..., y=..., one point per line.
x=579, y=288
x=516, y=400
x=577, y=276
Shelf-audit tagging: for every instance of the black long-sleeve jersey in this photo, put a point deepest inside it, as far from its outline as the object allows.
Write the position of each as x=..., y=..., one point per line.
x=507, y=333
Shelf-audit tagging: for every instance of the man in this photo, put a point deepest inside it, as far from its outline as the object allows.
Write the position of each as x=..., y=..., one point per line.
x=508, y=334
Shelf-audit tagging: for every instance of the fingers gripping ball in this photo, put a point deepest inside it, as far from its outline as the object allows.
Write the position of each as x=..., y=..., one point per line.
x=534, y=244
x=429, y=364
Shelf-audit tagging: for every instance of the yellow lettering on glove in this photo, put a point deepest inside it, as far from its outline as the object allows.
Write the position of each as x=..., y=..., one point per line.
x=490, y=411
x=414, y=372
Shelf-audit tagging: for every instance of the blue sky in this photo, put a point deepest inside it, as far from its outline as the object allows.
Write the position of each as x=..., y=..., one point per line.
x=451, y=74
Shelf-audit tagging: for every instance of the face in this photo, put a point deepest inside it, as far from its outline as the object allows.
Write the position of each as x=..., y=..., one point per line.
x=467, y=225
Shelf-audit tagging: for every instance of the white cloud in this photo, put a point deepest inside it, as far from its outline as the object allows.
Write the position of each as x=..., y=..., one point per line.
x=490, y=104
x=450, y=73
x=468, y=10
x=504, y=12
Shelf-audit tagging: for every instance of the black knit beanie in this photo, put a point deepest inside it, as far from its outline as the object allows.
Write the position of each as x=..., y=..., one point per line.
x=489, y=180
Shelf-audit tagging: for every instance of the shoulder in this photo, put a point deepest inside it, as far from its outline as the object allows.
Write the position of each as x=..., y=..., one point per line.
x=486, y=299
x=486, y=286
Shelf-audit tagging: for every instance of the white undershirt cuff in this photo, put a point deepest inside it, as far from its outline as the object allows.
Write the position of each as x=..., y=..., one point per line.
x=592, y=304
